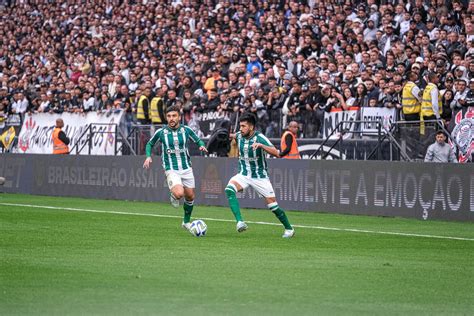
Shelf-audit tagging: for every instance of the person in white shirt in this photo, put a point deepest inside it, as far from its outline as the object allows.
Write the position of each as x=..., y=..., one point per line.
x=114, y=85
x=162, y=79
x=405, y=23
x=21, y=104
x=124, y=71
x=88, y=102
x=370, y=31
x=400, y=12
x=45, y=102
x=460, y=96
x=133, y=85
x=374, y=14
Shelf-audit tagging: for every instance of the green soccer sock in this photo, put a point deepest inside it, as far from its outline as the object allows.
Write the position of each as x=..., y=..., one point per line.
x=188, y=209
x=280, y=214
x=230, y=192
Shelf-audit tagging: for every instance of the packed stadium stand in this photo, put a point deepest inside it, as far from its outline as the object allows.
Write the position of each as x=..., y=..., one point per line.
x=361, y=71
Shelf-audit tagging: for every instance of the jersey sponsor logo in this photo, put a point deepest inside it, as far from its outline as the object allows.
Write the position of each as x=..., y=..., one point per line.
x=249, y=159
x=176, y=151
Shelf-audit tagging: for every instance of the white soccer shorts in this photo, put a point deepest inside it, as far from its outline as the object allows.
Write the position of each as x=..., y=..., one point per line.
x=183, y=177
x=262, y=186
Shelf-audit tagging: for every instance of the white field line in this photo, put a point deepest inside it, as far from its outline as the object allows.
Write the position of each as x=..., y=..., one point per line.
x=352, y=230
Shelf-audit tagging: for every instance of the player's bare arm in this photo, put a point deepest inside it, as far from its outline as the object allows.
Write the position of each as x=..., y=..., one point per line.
x=269, y=149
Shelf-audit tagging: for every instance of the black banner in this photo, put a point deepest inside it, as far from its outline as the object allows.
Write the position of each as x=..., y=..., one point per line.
x=207, y=121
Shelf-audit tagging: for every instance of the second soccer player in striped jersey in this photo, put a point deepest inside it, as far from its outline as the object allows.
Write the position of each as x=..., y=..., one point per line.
x=176, y=160
x=253, y=146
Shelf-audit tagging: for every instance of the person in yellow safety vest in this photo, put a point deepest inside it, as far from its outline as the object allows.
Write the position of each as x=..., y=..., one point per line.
x=143, y=107
x=431, y=106
x=411, y=99
x=157, y=108
x=60, y=140
x=288, y=144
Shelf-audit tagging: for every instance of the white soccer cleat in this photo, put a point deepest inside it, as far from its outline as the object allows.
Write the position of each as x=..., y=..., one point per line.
x=241, y=226
x=186, y=226
x=288, y=233
x=174, y=201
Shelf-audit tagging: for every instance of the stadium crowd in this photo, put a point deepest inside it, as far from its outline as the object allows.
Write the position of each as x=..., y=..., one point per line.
x=292, y=59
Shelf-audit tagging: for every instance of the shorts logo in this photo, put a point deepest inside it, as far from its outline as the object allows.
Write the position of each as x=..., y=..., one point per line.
x=170, y=183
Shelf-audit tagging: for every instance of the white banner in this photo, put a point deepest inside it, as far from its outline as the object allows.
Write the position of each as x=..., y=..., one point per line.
x=35, y=134
x=332, y=119
x=387, y=116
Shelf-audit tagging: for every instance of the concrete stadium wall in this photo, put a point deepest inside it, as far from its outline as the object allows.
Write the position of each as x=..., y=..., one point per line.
x=416, y=190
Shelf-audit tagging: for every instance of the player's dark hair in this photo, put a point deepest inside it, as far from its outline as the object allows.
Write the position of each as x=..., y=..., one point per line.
x=249, y=118
x=173, y=108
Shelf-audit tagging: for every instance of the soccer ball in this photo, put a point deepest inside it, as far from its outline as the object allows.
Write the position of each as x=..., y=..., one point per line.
x=198, y=228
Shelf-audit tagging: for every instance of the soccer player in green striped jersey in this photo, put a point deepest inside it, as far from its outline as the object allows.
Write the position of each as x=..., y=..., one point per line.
x=253, y=146
x=176, y=160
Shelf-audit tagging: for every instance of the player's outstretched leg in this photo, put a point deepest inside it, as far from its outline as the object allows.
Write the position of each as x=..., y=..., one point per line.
x=231, y=193
x=280, y=214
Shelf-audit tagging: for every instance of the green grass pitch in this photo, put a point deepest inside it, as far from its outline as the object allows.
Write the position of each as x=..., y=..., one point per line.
x=57, y=261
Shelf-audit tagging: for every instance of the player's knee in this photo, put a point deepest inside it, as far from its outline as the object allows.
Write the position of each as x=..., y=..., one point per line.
x=177, y=192
x=230, y=190
x=189, y=197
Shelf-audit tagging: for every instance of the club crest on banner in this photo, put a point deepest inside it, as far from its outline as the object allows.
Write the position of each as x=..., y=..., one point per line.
x=463, y=134
x=27, y=130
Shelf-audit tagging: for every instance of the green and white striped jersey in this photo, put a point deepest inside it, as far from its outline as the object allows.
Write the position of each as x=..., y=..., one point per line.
x=174, y=147
x=252, y=163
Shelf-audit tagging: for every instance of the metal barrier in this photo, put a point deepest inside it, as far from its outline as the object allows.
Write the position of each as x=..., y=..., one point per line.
x=138, y=137
x=394, y=134
x=342, y=130
x=93, y=129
